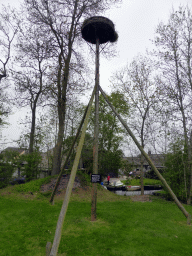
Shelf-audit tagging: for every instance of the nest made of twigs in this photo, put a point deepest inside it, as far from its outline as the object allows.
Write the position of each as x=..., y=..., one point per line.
x=99, y=27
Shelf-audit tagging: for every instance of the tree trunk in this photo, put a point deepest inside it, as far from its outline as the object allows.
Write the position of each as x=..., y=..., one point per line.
x=142, y=144
x=32, y=133
x=57, y=150
x=96, y=136
x=62, y=91
x=34, y=107
x=58, y=147
x=142, y=176
x=190, y=168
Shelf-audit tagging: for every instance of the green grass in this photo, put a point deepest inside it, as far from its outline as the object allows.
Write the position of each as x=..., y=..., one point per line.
x=34, y=185
x=136, y=182
x=122, y=228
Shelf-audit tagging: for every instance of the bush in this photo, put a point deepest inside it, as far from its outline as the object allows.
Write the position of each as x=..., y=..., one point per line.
x=85, y=179
x=6, y=172
x=152, y=175
x=8, y=162
x=30, y=169
x=174, y=174
x=34, y=185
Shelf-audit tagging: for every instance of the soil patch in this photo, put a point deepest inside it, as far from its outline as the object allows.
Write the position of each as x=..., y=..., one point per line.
x=141, y=198
x=82, y=191
x=62, y=184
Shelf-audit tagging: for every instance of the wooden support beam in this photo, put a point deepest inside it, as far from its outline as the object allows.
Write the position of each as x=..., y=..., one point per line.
x=96, y=136
x=63, y=212
x=187, y=215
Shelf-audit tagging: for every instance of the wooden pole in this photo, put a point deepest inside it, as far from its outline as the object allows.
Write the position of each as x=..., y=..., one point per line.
x=68, y=155
x=190, y=169
x=187, y=215
x=48, y=248
x=96, y=135
x=62, y=215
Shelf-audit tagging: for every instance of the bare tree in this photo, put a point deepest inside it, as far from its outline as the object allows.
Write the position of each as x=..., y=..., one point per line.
x=174, y=50
x=30, y=78
x=137, y=83
x=62, y=20
x=8, y=29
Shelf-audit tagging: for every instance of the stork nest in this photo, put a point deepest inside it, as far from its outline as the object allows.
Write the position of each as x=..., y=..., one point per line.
x=99, y=27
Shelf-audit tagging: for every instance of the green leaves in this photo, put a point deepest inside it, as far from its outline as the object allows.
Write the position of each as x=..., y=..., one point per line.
x=32, y=161
x=175, y=170
x=110, y=136
x=109, y=128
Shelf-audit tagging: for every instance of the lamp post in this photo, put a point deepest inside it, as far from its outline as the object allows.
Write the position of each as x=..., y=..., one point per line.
x=97, y=30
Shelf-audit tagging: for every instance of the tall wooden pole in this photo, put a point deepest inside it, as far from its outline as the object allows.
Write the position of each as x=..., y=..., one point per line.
x=96, y=135
x=63, y=211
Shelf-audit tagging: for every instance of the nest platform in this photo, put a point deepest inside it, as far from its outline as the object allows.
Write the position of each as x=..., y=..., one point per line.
x=98, y=27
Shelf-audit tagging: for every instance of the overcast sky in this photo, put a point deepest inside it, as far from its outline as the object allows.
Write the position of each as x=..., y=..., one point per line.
x=135, y=21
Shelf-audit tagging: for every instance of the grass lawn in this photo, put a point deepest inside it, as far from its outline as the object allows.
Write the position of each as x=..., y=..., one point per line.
x=122, y=228
x=136, y=182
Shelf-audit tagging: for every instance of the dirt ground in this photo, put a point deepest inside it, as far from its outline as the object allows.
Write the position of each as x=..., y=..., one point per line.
x=143, y=198
x=62, y=184
x=78, y=189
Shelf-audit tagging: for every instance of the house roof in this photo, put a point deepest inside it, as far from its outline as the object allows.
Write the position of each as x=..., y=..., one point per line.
x=157, y=159
x=15, y=149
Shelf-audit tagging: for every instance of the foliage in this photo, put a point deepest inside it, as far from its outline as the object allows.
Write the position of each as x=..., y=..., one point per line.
x=33, y=186
x=110, y=130
x=110, y=162
x=174, y=171
x=136, y=182
x=24, y=139
x=110, y=138
x=110, y=133
x=12, y=161
x=152, y=175
x=87, y=153
x=126, y=167
x=31, y=162
x=8, y=163
x=6, y=172
x=85, y=179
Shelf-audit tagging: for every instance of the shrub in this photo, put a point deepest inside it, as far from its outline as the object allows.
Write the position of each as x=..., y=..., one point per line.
x=8, y=162
x=30, y=169
x=33, y=186
x=174, y=174
x=6, y=172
